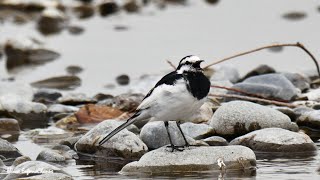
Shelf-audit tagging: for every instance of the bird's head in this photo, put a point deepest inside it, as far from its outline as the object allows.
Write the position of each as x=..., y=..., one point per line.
x=190, y=63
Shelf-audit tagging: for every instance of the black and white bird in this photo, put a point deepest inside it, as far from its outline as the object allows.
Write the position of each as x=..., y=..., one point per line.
x=176, y=97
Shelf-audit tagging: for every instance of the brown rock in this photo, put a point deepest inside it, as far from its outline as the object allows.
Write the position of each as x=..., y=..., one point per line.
x=91, y=113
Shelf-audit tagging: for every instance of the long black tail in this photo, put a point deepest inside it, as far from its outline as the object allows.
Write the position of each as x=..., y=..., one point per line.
x=131, y=120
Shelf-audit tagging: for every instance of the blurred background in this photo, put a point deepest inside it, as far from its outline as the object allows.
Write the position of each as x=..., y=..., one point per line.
x=102, y=40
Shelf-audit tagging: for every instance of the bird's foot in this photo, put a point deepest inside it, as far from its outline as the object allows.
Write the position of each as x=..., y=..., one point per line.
x=177, y=148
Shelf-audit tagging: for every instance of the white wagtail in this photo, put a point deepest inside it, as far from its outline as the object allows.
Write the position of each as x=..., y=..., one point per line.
x=176, y=97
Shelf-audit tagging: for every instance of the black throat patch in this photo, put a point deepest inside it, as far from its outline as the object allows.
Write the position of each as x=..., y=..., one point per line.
x=197, y=84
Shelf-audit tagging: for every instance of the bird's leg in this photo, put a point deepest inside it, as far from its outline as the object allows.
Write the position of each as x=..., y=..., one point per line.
x=184, y=137
x=166, y=124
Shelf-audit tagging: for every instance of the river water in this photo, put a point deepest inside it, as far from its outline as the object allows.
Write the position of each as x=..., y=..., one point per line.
x=154, y=36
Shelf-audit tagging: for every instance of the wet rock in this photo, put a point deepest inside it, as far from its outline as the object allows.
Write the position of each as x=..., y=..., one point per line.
x=154, y=135
x=298, y=80
x=59, y=82
x=51, y=21
x=59, y=108
x=294, y=15
x=310, y=119
x=275, y=86
x=48, y=176
x=31, y=168
x=125, y=144
x=50, y=156
x=192, y=159
x=108, y=7
x=100, y=97
x=225, y=72
x=75, y=99
x=75, y=30
x=240, y=117
x=124, y=102
x=46, y=96
x=276, y=140
x=216, y=141
x=131, y=6
x=83, y=11
x=197, y=131
x=123, y=79
x=9, y=129
x=22, y=52
x=74, y=69
x=8, y=150
x=260, y=70
x=91, y=113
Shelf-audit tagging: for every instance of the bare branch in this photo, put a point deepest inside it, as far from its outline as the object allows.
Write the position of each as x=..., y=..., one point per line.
x=255, y=99
x=171, y=64
x=266, y=47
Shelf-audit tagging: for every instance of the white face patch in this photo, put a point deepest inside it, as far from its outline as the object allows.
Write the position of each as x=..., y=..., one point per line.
x=191, y=59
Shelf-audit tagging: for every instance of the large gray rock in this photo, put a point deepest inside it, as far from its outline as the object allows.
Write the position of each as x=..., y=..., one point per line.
x=8, y=150
x=197, y=131
x=240, y=117
x=192, y=159
x=49, y=176
x=276, y=140
x=155, y=135
x=124, y=144
x=275, y=86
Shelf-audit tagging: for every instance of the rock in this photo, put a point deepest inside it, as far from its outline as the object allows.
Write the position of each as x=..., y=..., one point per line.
x=131, y=6
x=74, y=69
x=260, y=70
x=287, y=111
x=197, y=131
x=20, y=160
x=203, y=114
x=298, y=80
x=46, y=96
x=212, y=1
x=225, y=73
x=33, y=167
x=276, y=140
x=9, y=129
x=70, y=141
x=298, y=111
x=48, y=176
x=125, y=144
x=91, y=113
x=83, y=11
x=310, y=119
x=51, y=21
x=68, y=123
x=294, y=15
x=75, y=99
x=193, y=159
x=50, y=156
x=100, y=97
x=124, y=102
x=123, y=79
x=275, y=86
x=216, y=141
x=154, y=135
x=22, y=52
x=75, y=30
x=240, y=117
x=59, y=108
x=313, y=95
x=8, y=150
x=59, y=82
x=48, y=135
x=108, y=7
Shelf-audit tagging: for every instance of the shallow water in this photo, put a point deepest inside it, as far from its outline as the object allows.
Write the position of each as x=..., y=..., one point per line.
x=153, y=36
